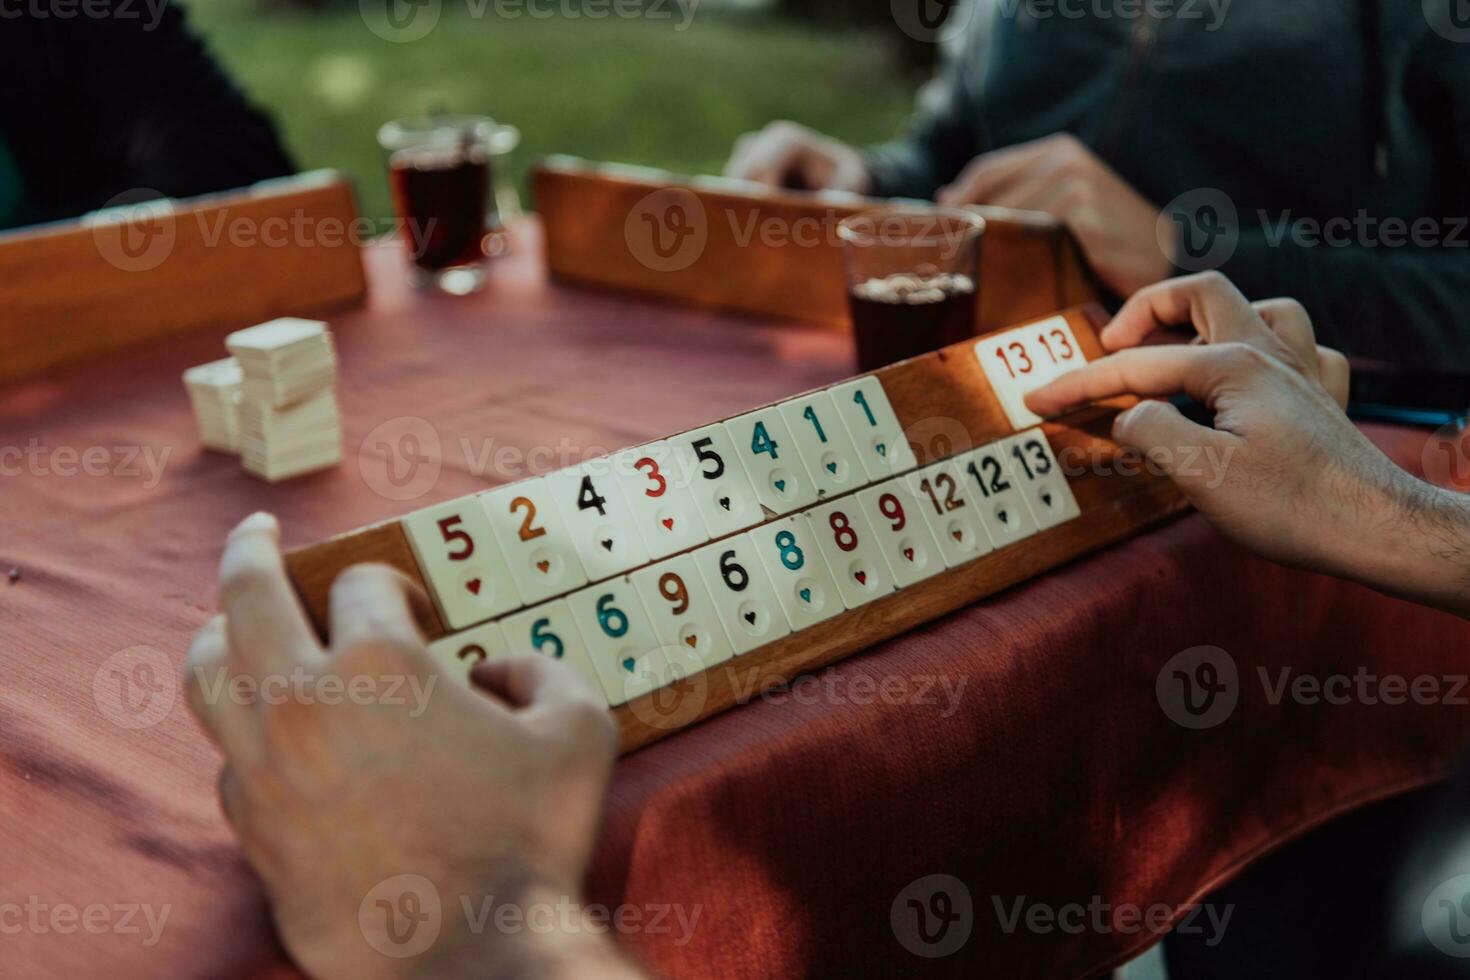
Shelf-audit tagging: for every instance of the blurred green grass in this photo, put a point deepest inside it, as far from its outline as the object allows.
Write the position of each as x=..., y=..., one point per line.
x=633, y=91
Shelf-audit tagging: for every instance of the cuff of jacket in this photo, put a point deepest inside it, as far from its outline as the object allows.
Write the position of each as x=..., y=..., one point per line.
x=900, y=169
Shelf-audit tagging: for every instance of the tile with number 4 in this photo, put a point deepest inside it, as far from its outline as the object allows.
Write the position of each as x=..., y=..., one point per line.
x=462, y=562
x=823, y=443
x=1006, y=515
x=598, y=518
x=536, y=544
x=1035, y=470
x=458, y=654
x=619, y=636
x=850, y=548
x=952, y=510
x=743, y=594
x=771, y=458
x=550, y=630
x=873, y=426
x=1019, y=361
x=789, y=553
x=682, y=610
x=902, y=533
x=720, y=485
x=656, y=484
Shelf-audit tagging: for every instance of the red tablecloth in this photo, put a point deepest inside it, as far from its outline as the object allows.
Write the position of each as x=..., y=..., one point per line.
x=1018, y=746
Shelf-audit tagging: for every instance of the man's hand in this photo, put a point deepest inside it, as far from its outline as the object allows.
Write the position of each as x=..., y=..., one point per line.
x=786, y=154
x=1283, y=472
x=350, y=766
x=1115, y=226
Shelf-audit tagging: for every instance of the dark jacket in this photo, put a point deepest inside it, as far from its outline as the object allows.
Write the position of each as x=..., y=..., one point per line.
x=1294, y=109
x=95, y=106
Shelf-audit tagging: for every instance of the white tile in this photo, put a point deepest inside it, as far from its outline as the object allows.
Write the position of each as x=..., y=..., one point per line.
x=682, y=610
x=549, y=629
x=952, y=509
x=1035, y=470
x=1021, y=360
x=743, y=594
x=620, y=639
x=458, y=653
x=789, y=553
x=719, y=483
x=823, y=443
x=601, y=524
x=657, y=487
x=873, y=426
x=850, y=548
x=1006, y=514
x=772, y=460
x=462, y=562
x=534, y=539
x=903, y=535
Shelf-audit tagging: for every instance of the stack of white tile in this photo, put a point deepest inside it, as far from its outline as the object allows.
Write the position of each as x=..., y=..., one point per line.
x=289, y=423
x=214, y=389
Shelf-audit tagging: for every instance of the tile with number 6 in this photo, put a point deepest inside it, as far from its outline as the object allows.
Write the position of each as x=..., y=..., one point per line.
x=789, y=552
x=462, y=562
x=850, y=548
x=720, y=485
x=682, y=610
x=598, y=518
x=952, y=509
x=550, y=630
x=1006, y=515
x=743, y=594
x=772, y=459
x=535, y=542
x=656, y=484
x=823, y=443
x=458, y=653
x=1035, y=470
x=620, y=638
x=903, y=534
x=873, y=426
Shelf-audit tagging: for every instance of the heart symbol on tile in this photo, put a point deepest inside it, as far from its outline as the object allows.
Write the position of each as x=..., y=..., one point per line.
x=806, y=595
x=668, y=523
x=473, y=585
x=958, y=535
x=629, y=664
x=725, y=502
x=750, y=618
x=1046, y=499
x=1004, y=517
x=693, y=641
x=882, y=448
x=544, y=566
x=832, y=468
x=908, y=553
x=862, y=577
x=780, y=485
x=607, y=543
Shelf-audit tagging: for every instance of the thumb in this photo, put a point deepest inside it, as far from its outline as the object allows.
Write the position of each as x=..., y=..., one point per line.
x=1183, y=450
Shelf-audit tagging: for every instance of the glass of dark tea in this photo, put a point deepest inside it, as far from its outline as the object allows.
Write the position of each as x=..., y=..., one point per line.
x=443, y=171
x=912, y=275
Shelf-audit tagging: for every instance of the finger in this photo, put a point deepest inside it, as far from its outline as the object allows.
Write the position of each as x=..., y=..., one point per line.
x=766, y=157
x=207, y=686
x=374, y=603
x=232, y=799
x=1335, y=374
x=267, y=628
x=1144, y=371
x=1207, y=300
x=531, y=682
x=1288, y=319
x=992, y=173
x=1172, y=442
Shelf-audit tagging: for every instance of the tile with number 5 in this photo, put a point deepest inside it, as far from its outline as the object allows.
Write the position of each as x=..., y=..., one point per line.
x=462, y=562
x=535, y=542
x=743, y=594
x=873, y=426
x=720, y=485
x=772, y=459
x=457, y=654
x=952, y=509
x=1035, y=470
x=682, y=610
x=1006, y=515
x=620, y=638
x=903, y=534
x=823, y=443
x=598, y=518
x=789, y=552
x=549, y=629
x=656, y=483
x=850, y=547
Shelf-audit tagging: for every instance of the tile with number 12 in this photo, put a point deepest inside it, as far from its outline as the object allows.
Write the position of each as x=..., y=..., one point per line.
x=1006, y=514
x=952, y=510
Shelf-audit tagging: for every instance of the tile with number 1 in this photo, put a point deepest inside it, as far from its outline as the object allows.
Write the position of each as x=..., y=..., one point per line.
x=823, y=443
x=875, y=430
x=462, y=562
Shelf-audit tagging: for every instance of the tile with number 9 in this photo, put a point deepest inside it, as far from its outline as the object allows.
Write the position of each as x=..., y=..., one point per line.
x=1006, y=514
x=656, y=484
x=535, y=542
x=681, y=608
x=550, y=630
x=743, y=594
x=462, y=562
x=952, y=509
x=1035, y=470
x=902, y=533
x=771, y=458
x=873, y=426
x=789, y=553
x=823, y=443
x=719, y=483
x=458, y=653
x=598, y=518
x=850, y=548
x=620, y=638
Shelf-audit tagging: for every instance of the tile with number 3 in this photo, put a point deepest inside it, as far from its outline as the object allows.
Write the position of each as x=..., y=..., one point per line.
x=656, y=485
x=462, y=562
x=457, y=655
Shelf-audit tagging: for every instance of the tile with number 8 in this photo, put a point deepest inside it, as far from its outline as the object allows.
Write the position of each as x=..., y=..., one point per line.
x=743, y=594
x=902, y=533
x=457, y=654
x=598, y=518
x=789, y=553
x=850, y=548
x=682, y=610
x=876, y=434
x=620, y=639
x=771, y=458
x=1035, y=470
x=823, y=443
x=536, y=544
x=461, y=561
x=549, y=629
x=719, y=483
x=952, y=511
x=1006, y=514
x=656, y=485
